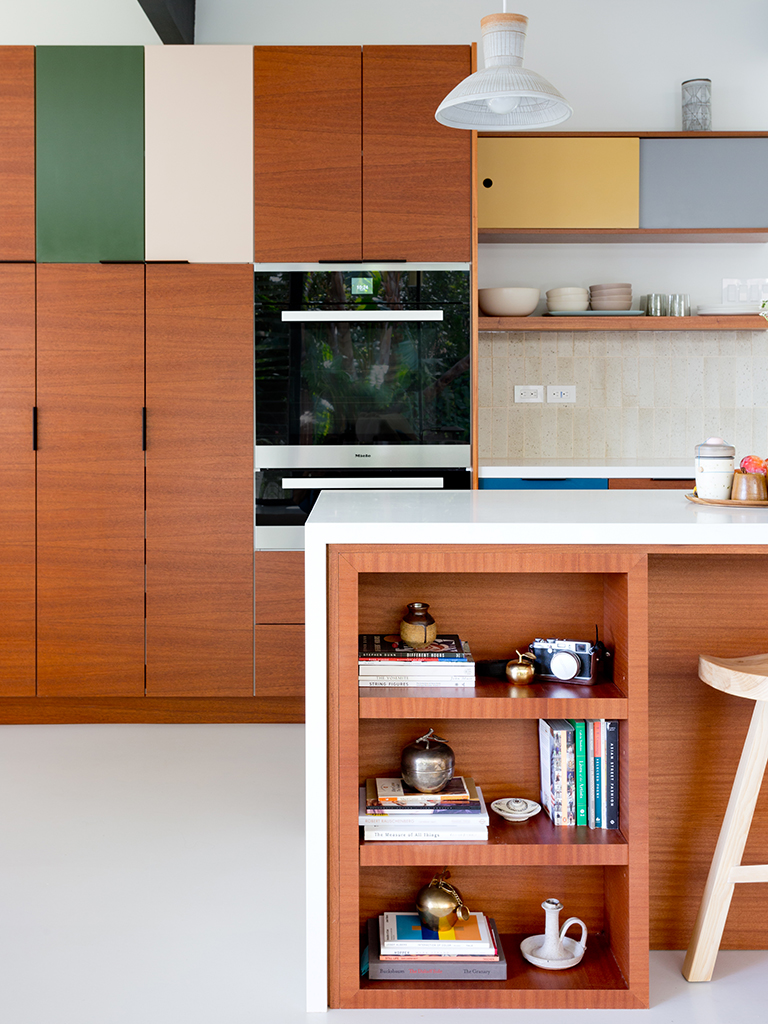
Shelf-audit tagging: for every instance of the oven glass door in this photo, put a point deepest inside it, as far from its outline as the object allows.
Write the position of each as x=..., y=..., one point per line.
x=362, y=358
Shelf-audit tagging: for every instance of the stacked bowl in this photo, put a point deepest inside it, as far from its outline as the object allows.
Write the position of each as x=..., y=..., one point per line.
x=567, y=300
x=610, y=296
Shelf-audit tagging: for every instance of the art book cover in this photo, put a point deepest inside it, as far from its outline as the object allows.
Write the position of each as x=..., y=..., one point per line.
x=389, y=645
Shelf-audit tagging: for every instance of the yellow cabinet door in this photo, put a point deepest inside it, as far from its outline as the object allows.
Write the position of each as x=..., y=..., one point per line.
x=558, y=183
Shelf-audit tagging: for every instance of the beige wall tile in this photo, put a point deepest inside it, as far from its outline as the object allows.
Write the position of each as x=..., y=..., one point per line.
x=564, y=433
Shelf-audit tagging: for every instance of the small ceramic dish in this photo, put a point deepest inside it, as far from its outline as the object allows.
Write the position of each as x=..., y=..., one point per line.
x=515, y=808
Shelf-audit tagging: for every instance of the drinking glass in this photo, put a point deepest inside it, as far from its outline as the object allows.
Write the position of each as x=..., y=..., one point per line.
x=656, y=304
x=678, y=305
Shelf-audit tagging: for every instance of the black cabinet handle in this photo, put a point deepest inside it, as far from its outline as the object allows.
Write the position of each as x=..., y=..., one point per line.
x=34, y=428
x=144, y=429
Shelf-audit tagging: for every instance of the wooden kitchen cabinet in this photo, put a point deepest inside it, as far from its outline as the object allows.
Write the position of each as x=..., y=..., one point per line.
x=349, y=161
x=90, y=480
x=279, y=617
x=199, y=478
x=90, y=153
x=655, y=484
x=17, y=152
x=17, y=480
x=199, y=153
x=600, y=875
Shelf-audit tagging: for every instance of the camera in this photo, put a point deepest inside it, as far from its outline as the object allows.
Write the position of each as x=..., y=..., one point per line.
x=577, y=661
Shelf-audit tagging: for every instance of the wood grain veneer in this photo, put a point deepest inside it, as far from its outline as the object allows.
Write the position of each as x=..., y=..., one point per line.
x=17, y=152
x=90, y=479
x=279, y=655
x=199, y=399
x=623, y=323
x=279, y=586
x=645, y=484
x=490, y=595
x=307, y=124
x=713, y=604
x=17, y=479
x=417, y=174
x=148, y=710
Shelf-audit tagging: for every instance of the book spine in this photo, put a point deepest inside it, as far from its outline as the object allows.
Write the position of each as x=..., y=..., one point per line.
x=484, y=970
x=569, y=774
x=417, y=671
x=611, y=774
x=590, y=737
x=580, y=757
x=598, y=762
x=425, y=836
x=411, y=659
x=416, y=681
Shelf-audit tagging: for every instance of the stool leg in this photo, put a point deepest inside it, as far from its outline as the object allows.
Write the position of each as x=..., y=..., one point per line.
x=710, y=922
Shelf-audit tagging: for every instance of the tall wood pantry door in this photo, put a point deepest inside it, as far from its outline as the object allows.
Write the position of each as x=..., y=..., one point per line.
x=17, y=480
x=90, y=480
x=199, y=374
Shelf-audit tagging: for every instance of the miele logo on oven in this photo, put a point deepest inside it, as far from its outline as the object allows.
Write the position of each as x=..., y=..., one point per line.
x=359, y=455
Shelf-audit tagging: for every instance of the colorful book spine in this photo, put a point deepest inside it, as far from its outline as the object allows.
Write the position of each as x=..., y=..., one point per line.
x=611, y=789
x=580, y=757
x=597, y=769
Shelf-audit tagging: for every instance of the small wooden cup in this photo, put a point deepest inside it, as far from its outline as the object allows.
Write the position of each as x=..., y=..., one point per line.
x=749, y=486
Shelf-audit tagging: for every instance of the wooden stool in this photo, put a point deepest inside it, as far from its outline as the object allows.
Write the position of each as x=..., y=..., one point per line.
x=742, y=677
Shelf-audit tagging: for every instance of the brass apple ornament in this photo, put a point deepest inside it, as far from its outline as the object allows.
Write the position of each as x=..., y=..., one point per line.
x=440, y=904
x=519, y=672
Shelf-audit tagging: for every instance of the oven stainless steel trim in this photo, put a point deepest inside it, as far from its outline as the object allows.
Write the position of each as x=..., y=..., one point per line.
x=370, y=483
x=349, y=315
x=278, y=538
x=370, y=456
x=359, y=265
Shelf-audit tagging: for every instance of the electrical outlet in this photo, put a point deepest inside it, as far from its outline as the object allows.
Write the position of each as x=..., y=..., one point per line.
x=529, y=392
x=561, y=392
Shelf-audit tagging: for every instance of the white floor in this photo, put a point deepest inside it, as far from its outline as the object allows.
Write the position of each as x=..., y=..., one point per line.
x=154, y=875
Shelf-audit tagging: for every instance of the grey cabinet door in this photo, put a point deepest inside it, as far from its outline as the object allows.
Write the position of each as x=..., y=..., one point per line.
x=703, y=183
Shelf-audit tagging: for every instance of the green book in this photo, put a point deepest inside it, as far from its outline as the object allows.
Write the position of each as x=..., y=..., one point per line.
x=580, y=741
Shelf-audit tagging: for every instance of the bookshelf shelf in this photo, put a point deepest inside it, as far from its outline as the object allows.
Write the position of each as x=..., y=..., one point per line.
x=490, y=699
x=535, y=841
x=597, y=981
x=497, y=597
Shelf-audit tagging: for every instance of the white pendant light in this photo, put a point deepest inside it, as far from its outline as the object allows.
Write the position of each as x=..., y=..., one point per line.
x=504, y=95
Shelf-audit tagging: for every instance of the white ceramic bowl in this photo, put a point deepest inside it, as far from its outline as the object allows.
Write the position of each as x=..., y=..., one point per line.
x=610, y=291
x=601, y=287
x=574, y=304
x=508, y=301
x=612, y=303
x=555, y=293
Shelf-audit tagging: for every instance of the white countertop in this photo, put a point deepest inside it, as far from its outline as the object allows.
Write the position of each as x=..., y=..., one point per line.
x=537, y=469
x=528, y=517
x=468, y=517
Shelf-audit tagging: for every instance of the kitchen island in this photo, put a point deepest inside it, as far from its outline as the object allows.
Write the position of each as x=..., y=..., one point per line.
x=664, y=579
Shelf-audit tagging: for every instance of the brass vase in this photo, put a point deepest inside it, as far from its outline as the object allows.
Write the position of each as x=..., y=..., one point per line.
x=440, y=904
x=418, y=628
x=427, y=763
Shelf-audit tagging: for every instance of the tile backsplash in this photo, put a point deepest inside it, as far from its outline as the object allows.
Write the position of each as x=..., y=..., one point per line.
x=651, y=394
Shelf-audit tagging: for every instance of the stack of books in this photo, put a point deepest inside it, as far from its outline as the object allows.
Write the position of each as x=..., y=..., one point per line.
x=391, y=809
x=579, y=762
x=399, y=946
x=384, y=660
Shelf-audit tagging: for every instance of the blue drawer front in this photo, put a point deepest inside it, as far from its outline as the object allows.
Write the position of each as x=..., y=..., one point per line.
x=522, y=484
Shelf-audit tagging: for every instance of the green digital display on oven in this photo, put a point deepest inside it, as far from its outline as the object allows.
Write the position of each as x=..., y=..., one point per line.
x=362, y=286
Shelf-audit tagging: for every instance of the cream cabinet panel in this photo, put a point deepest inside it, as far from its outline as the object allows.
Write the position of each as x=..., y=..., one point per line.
x=199, y=153
x=558, y=183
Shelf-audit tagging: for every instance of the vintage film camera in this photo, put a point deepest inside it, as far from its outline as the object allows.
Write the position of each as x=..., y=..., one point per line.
x=570, y=661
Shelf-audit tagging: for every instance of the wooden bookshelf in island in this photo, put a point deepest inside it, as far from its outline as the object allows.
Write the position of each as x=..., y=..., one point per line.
x=498, y=598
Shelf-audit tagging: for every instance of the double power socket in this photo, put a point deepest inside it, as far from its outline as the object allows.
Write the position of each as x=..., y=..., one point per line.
x=555, y=393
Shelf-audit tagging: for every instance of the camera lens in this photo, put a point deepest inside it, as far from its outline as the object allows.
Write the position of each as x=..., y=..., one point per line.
x=564, y=665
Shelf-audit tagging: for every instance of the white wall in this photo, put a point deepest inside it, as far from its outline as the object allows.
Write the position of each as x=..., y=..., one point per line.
x=74, y=23
x=619, y=62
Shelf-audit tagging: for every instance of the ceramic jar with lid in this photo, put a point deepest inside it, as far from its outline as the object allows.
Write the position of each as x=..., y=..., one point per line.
x=714, y=464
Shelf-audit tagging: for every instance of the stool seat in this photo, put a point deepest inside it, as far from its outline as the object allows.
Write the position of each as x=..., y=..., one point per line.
x=741, y=677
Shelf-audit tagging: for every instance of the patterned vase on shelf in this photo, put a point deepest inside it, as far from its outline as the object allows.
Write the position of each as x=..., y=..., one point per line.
x=418, y=628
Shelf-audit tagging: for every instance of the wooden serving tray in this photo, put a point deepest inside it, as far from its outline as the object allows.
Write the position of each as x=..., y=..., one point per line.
x=726, y=501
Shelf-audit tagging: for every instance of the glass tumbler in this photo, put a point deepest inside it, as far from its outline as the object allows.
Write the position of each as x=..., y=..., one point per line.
x=697, y=105
x=656, y=304
x=678, y=305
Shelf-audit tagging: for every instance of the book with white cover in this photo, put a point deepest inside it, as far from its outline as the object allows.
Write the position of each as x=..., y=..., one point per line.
x=423, y=818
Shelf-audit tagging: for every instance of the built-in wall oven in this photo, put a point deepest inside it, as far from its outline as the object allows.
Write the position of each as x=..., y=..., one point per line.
x=362, y=380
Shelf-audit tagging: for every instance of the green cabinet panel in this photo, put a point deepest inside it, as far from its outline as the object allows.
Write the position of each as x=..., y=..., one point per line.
x=90, y=153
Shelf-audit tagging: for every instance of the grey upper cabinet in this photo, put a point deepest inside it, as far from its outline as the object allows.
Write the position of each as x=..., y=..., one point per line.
x=703, y=183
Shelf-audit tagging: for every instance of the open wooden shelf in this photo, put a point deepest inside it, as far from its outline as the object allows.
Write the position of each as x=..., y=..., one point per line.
x=584, y=236
x=490, y=699
x=597, y=982
x=622, y=323
x=497, y=597
x=536, y=841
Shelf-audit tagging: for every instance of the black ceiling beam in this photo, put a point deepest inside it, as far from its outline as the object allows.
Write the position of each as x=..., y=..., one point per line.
x=173, y=20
